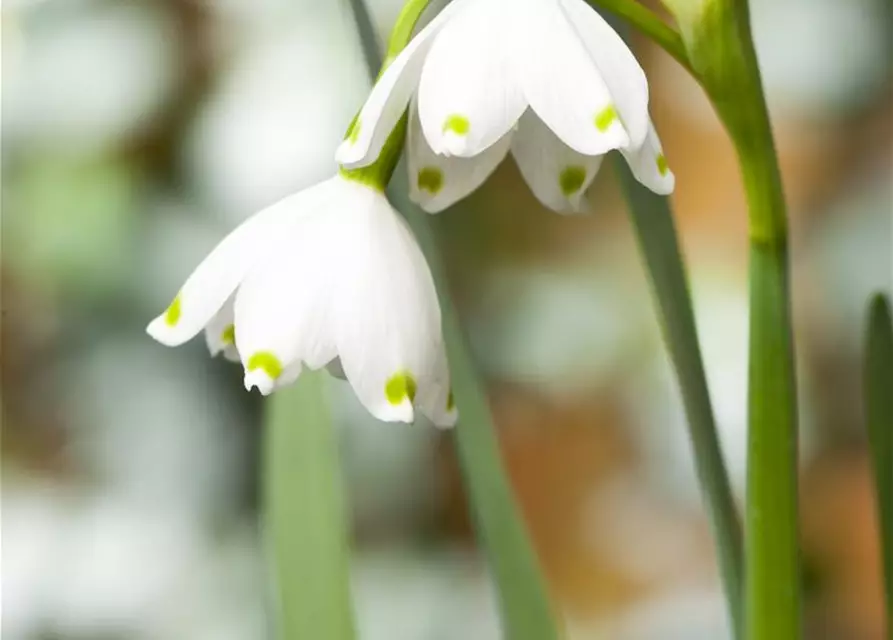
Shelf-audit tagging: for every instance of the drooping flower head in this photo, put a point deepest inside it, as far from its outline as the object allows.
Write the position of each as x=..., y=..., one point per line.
x=548, y=80
x=331, y=276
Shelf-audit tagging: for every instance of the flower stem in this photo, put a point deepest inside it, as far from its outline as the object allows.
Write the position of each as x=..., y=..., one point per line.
x=304, y=526
x=652, y=219
x=879, y=419
x=732, y=79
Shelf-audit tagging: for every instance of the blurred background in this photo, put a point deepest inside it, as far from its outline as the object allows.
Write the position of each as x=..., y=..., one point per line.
x=136, y=133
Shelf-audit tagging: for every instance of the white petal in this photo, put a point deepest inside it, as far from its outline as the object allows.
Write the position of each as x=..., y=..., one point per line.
x=468, y=97
x=437, y=182
x=220, y=332
x=436, y=398
x=557, y=175
x=388, y=99
x=649, y=164
x=220, y=273
x=561, y=81
x=387, y=315
x=283, y=308
x=621, y=71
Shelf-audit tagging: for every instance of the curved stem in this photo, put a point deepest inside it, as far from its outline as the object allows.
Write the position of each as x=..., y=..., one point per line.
x=773, y=609
x=650, y=24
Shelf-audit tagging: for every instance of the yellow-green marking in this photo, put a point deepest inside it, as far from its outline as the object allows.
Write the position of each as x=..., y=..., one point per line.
x=458, y=124
x=173, y=313
x=605, y=118
x=267, y=362
x=399, y=387
x=571, y=180
x=430, y=179
x=662, y=167
x=229, y=334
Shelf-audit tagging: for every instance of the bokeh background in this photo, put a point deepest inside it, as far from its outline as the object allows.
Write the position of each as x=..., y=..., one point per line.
x=135, y=133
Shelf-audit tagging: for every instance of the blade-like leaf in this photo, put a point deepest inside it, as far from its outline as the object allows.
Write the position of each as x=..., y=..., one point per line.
x=879, y=418
x=304, y=524
x=652, y=220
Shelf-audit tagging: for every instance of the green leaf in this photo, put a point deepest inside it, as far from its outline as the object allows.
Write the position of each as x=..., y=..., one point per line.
x=304, y=525
x=879, y=418
x=652, y=219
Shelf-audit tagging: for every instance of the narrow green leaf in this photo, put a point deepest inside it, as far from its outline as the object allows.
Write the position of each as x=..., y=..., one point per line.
x=652, y=219
x=879, y=418
x=304, y=524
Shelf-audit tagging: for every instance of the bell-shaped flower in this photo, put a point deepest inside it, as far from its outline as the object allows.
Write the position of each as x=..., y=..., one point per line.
x=548, y=80
x=330, y=276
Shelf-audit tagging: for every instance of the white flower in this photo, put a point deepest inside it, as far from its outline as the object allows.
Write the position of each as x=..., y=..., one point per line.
x=329, y=276
x=548, y=80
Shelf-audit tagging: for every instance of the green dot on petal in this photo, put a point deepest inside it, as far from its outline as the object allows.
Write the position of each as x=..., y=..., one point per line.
x=267, y=362
x=430, y=180
x=605, y=118
x=662, y=166
x=173, y=313
x=572, y=179
x=229, y=335
x=353, y=133
x=399, y=387
x=457, y=124
x=451, y=402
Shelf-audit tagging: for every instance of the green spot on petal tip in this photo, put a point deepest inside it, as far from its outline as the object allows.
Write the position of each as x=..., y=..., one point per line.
x=229, y=335
x=571, y=180
x=267, y=362
x=353, y=133
x=457, y=124
x=431, y=180
x=399, y=387
x=451, y=402
x=662, y=167
x=173, y=313
x=605, y=118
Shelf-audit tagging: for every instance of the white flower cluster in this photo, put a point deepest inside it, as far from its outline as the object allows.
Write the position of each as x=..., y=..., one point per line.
x=332, y=276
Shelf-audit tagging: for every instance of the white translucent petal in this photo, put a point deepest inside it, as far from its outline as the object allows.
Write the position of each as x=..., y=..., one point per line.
x=283, y=309
x=468, y=96
x=557, y=175
x=621, y=71
x=388, y=99
x=561, y=81
x=387, y=315
x=649, y=164
x=435, y=399
x=220, y=332
x=220, y=273
x=436, y=181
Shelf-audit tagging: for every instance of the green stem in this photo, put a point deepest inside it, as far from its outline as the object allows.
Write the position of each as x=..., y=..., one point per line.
x=879, y=419
x=305, y=525
x=773, y=560
x=653, y=222
x=650, y=24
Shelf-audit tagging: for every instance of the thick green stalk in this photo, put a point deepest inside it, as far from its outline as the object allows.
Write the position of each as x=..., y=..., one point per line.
x=526, y=611
x=724, y=54
x=652, y=219
x=305, y=524
x=879, y=419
